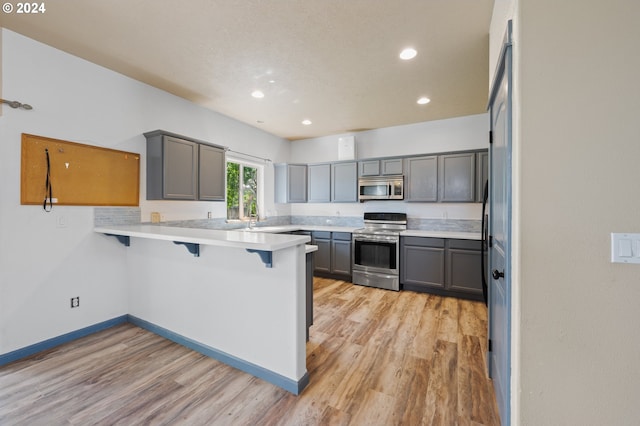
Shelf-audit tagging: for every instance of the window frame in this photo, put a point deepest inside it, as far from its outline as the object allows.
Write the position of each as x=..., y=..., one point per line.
x=260, y=187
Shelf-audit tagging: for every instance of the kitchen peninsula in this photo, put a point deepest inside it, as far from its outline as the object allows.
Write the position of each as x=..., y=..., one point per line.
x=236, y=296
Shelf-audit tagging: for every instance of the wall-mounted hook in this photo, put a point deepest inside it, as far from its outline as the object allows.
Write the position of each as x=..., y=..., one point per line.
x=16, y=104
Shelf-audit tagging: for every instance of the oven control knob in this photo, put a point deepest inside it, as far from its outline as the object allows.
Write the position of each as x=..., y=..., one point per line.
x=497, y=274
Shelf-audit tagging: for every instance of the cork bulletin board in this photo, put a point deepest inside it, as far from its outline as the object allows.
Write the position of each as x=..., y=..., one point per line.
x=81, y=175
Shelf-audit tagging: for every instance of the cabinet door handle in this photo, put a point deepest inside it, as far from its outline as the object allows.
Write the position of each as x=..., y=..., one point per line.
x=497, y=274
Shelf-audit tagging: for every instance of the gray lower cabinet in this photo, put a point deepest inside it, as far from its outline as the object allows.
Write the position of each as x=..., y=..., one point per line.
x=456, y=177
x=309, y=262
x=319, y=183
x=344, y=182
x=422, y=262
x=333, y=258
x=322, y=259
x=183, y=169
x=341, y=254
x=290, y=183
x=464, y=269
x=309, y=290
x=447, y=267
x=421, y=179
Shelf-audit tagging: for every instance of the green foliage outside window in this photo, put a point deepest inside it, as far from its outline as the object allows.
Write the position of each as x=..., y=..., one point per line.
x=242, y=191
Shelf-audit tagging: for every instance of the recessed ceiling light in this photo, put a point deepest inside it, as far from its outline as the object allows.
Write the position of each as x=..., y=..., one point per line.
x=423, y=100
x=257, y=94
x=306, y=122
x=408, y=53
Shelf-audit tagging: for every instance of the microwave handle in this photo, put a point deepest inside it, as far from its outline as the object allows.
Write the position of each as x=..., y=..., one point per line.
x=390, y=193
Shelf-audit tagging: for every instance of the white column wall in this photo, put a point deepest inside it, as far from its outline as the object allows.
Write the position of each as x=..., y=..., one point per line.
x=226, y=299
x=576, y=148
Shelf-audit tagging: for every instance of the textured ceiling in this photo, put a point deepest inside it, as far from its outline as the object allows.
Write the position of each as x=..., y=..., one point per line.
x=334, y=62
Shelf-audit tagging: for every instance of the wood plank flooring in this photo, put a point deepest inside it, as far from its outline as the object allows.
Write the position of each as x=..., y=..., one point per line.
x=375, y=357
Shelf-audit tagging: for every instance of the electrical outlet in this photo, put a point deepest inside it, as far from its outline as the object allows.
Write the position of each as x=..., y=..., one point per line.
x=61, y=221
x=75, y=302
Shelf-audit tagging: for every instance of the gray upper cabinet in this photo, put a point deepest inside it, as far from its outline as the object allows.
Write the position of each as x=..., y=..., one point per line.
x=482, y=173
x=421, y=179
x=344, y=182
x=391, y=166
x=290, y=183
x=448, y=177
x=369, y=168
x=180, y=169
x=319, y=183
x=212, y=171
x=456, y=177
x=384, y=167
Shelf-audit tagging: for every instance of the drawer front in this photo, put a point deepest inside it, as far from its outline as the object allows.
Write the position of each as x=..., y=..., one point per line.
x=423, y=241
x=342, y=236
x=324, y=235
x=465, y=244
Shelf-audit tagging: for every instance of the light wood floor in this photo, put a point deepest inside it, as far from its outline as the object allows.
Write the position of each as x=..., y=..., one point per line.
x=375, y=357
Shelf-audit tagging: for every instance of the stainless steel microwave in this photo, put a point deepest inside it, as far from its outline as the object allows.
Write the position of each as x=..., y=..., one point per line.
x=381, y=188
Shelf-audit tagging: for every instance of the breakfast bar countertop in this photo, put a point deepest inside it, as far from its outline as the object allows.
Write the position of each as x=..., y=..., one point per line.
x=237, y=239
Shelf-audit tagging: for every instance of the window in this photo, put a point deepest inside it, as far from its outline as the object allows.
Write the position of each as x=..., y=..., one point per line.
x=244, y=193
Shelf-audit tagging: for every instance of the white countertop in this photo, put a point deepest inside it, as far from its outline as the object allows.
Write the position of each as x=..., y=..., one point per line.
x=289, y=228
x=238, y=238
x=407, y=233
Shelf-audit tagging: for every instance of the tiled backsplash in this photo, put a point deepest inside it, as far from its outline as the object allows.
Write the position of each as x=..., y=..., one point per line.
x=351, y=221
x=453, y=225
x=105, y=216
x=221, y=223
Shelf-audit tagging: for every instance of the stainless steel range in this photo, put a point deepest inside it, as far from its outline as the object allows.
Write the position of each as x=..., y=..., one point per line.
x=376, y=250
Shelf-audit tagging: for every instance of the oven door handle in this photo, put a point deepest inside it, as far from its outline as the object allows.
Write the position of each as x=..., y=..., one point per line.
x=375, y=239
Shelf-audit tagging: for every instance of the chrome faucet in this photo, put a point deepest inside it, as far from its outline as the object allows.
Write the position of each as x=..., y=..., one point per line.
x=253, y=217
x=253, y=220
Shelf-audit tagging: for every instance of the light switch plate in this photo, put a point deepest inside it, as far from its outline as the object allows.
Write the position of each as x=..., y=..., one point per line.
x=625, y=248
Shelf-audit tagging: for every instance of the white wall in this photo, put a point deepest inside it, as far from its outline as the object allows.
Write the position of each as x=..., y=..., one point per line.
x=503, y=10
x=576, y=180
x=41, y=265
x=454, y=134
x=226, y=299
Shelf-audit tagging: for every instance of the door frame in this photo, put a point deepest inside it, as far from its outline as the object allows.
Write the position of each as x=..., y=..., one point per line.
x=504, y=70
